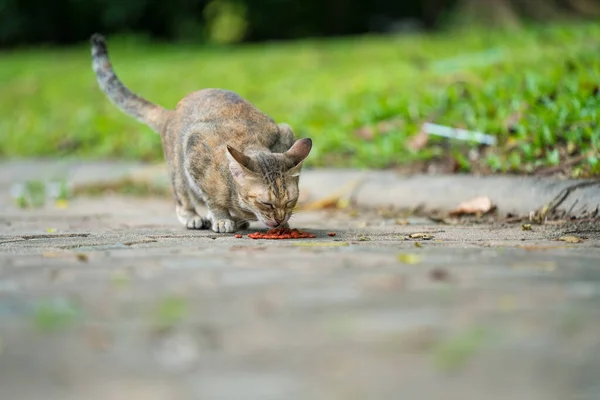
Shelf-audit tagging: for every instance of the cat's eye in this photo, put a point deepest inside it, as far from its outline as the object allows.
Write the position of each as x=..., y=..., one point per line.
x=290, y=203
x=269, y=205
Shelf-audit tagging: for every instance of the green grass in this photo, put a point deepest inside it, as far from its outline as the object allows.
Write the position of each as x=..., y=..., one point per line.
x=535, y=89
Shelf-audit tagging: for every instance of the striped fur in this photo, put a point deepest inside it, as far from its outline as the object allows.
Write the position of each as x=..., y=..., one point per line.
x=222, y=153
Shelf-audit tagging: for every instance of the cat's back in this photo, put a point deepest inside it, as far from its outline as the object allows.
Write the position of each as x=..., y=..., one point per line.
x=209, y=119
x=220, y=106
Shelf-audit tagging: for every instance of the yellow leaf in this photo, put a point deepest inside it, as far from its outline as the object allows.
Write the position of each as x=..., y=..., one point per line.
x=51, y=230
x=61, y=203
x=408, y=258
x=570, y=239
x=424, y=236
x=343, y=203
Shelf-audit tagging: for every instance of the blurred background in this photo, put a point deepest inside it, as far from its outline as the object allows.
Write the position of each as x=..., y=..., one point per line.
x=376, y=83
x=232, y=21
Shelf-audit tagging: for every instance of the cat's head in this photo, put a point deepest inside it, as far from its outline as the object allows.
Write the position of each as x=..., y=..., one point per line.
x=267, y=183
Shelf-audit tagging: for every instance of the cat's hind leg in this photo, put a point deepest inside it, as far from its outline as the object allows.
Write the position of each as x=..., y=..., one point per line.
x=190, y=219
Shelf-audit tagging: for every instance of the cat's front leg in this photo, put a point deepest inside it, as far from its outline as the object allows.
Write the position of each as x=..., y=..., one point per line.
x=221, y=220
x=191, y=219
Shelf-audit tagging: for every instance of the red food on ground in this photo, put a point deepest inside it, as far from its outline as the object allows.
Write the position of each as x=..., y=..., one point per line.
x=282, y=233
x=238, y=236
x=331, y=233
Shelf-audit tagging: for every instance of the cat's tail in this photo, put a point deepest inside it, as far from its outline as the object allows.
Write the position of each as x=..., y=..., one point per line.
x=144, y=111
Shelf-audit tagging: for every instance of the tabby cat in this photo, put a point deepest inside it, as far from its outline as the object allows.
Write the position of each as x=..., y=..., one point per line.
x=221, y=152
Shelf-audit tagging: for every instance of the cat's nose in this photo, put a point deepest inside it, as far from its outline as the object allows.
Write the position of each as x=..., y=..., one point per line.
x=279, y=220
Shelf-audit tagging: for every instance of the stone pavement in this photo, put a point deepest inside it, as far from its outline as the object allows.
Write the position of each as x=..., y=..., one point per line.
x=110, y=298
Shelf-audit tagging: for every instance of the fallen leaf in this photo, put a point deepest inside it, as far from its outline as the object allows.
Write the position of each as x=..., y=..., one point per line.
x=424, y=236
x=340, y=199
x=384, y=127
x=366, y=133
x=51, y=230
x=570, y=239
x=419, y=245
x=364, y=239
x=61, y=203
x=82, y=257
x=409, y=258
x=477, y=205
x=526, y=227
x=418, y=141
x=402, y=222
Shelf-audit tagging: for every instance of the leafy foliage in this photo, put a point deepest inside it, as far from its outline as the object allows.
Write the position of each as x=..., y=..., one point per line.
x=361, y=99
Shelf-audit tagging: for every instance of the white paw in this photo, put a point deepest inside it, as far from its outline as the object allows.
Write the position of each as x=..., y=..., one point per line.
x=198, y=222
x=224, y=226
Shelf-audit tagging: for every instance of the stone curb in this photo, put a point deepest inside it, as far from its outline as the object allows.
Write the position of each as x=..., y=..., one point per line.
x=364, y=188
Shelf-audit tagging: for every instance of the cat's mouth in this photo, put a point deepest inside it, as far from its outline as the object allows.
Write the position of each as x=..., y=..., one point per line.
x=274, y=224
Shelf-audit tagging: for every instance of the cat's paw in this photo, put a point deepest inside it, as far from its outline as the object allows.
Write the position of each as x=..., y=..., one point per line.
x=243, y=225
x=198, y=222
x=224, y=226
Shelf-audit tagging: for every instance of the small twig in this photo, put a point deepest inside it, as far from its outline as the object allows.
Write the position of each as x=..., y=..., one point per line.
x=540, y=215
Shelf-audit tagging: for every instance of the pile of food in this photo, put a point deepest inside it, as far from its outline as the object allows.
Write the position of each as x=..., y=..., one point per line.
x=282, y=233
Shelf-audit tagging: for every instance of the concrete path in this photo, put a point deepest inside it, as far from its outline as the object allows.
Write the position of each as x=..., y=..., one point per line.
x=517, y=195
x=109, y=298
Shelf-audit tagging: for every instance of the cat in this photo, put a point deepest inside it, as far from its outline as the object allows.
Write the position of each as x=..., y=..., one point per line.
x=221, y=152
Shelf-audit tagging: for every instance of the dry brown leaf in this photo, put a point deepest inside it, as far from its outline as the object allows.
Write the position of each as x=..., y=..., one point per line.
x=570, y=239
x=365, y=133
x=418, y=141
x=424, y=236
x=477, y=205
x=340, y=199
x=368, y=132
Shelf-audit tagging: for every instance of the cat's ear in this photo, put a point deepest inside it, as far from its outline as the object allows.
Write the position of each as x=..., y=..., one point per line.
x=299, y=151
x=239, y=164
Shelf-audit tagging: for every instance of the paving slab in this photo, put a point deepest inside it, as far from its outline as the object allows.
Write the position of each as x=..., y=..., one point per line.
x=111, y=298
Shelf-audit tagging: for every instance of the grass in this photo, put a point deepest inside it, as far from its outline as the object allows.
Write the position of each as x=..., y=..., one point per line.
x=362, y=99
